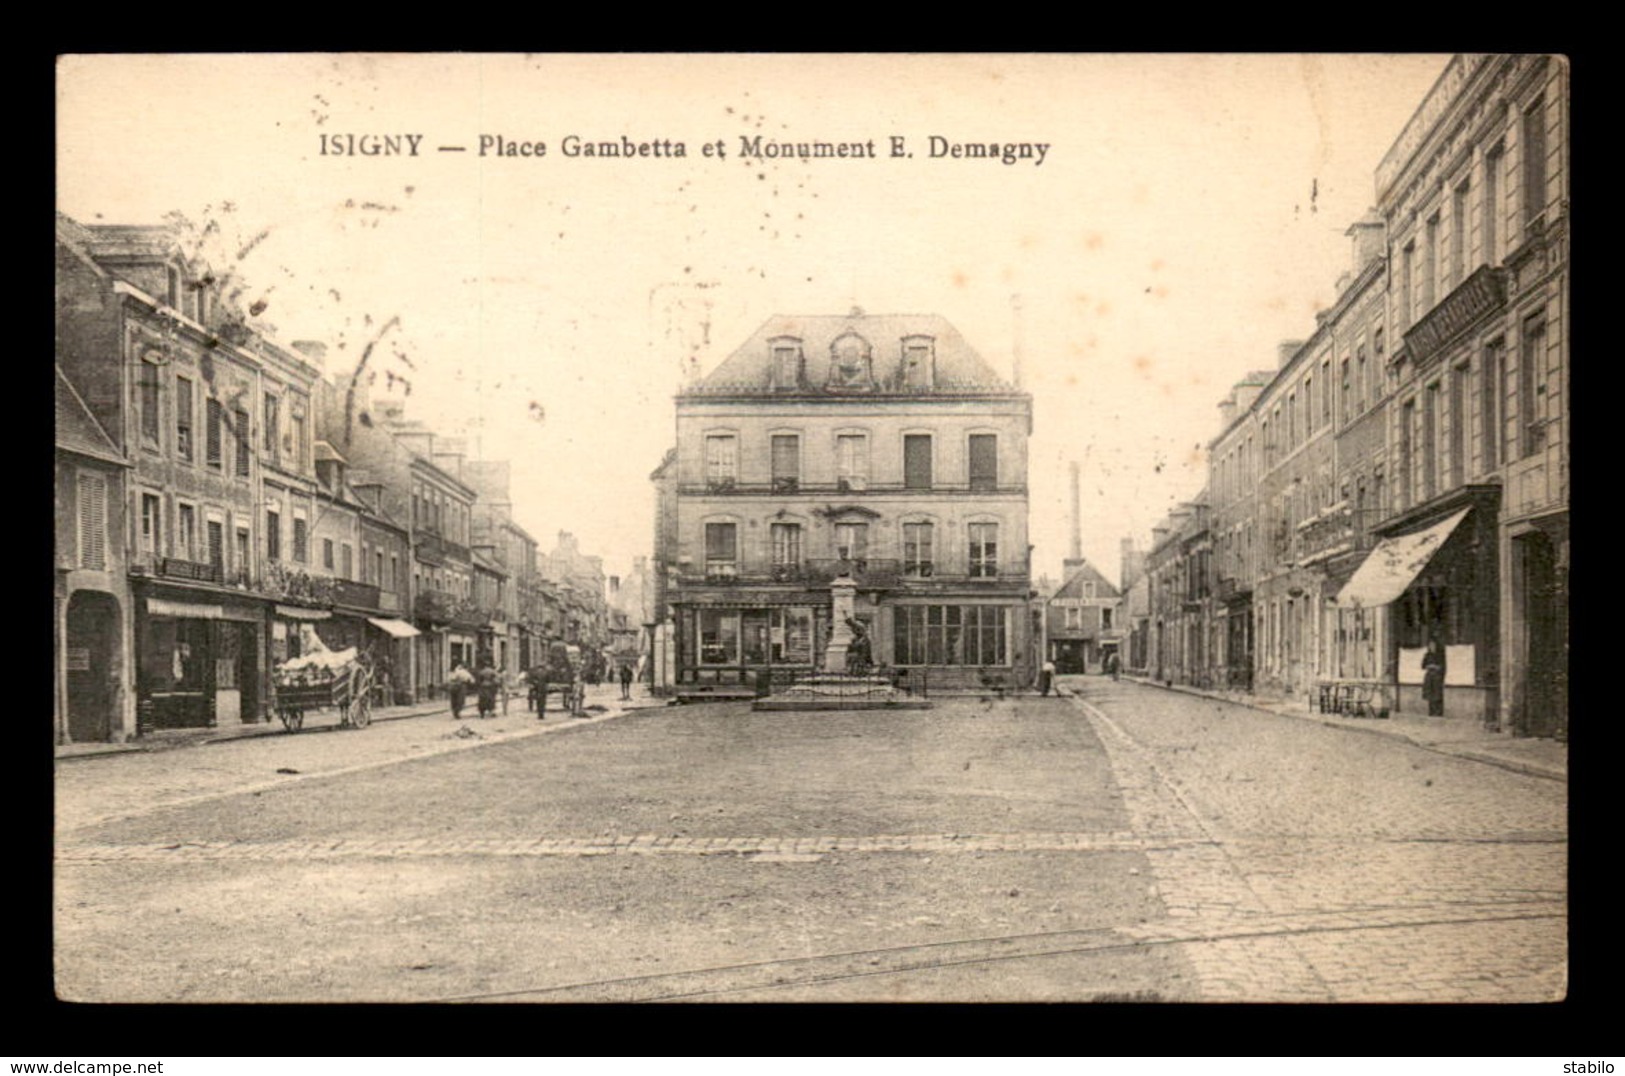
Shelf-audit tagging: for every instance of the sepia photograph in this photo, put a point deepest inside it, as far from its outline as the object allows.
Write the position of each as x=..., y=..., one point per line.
x=828, y=528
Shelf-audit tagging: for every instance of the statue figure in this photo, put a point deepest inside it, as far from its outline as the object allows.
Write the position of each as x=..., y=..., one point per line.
x=857, y=651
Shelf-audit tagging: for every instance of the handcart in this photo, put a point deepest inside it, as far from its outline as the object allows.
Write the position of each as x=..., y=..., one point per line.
x=325, y=680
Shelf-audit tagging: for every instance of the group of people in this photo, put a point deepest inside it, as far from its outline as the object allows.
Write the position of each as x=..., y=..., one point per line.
x=560, y=676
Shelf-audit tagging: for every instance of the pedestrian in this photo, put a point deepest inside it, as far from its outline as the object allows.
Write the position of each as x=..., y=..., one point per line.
x=487, y=683
x=626, y=681
x=458, y=681
x=1046, y=677
x=1433, y=675
x=1112, y=664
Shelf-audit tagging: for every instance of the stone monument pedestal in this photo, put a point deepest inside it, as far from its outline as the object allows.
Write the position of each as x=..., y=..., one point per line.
x=834, y=688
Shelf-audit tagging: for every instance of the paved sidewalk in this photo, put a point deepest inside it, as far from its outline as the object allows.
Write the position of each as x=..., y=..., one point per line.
x=606, y=695
x=1450, y=736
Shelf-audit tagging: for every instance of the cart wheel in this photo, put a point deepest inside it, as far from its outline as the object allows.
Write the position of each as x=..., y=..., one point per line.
x=293, y=720
x=360, y=713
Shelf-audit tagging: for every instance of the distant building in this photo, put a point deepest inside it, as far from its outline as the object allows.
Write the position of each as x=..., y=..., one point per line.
x=1084, y=620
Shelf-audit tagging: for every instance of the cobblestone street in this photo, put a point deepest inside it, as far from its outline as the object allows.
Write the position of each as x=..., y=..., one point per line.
x=1126, y=843
x=1372, y=870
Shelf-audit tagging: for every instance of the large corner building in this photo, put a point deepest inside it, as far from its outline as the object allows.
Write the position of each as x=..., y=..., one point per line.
x=882, y=447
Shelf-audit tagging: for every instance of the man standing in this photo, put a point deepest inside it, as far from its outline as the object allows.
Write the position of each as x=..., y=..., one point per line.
x=1433, y=676
x=1046, y=677
x=626, y=681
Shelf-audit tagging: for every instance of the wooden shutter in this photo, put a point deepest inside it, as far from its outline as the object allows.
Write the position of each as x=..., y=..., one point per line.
x=917, y=461
x=984, y=461
x=93, y=521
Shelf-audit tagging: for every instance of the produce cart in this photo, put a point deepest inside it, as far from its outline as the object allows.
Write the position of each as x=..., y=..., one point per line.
x=326, y=679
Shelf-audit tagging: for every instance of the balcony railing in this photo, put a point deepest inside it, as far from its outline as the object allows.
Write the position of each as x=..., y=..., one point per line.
x=445, y=607
x=439, y=548
x=190, y=570
x=1342, y=531
x=865, y=571
x=360, y=595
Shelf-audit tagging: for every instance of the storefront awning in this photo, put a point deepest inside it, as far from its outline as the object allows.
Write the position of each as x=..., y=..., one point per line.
x=399, y=629
x=190, y=610
x=1395, y=563
x=294, y=612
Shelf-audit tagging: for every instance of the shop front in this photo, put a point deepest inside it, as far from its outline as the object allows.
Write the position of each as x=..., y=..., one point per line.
x=1435, y=570
x=725, y=643
x=200, y=662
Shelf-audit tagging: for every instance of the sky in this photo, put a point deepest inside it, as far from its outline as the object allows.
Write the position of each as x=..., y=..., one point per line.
x=1187, y=215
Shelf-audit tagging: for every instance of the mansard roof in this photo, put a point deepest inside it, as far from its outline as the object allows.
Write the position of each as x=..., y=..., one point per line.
x=959, y=370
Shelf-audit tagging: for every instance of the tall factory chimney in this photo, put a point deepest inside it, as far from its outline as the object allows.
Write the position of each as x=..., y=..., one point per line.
x=1075, y=560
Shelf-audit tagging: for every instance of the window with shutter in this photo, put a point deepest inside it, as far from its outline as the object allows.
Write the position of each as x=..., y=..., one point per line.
x=93, y=522
x=984, y=461
x=786, y=461
x=917, y=461
x=213, y=451
x=240, y=421
x=183, y=418
x=721, y=550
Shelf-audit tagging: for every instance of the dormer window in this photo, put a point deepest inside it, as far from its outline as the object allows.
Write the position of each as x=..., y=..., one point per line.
x=850, y=362
x=919, y=362
x=786, y=363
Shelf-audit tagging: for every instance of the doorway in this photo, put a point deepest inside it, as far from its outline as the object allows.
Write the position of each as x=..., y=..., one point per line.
x=93, y=664
x=1542, y=709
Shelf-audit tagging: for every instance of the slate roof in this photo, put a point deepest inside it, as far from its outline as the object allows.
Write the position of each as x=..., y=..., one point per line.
x=77, y=429
x=1073, y=587
x=959, y=369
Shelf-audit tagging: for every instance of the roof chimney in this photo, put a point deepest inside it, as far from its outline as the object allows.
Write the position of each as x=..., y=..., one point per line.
x=1284, y=352
x=1369, y=234
x=1015, y=350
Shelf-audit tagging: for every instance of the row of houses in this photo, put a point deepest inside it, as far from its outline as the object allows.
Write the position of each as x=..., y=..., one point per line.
x=1400, y=478
x=225, y=502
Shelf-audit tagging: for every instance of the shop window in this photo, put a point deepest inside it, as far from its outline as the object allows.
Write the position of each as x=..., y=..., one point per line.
x=719, y=637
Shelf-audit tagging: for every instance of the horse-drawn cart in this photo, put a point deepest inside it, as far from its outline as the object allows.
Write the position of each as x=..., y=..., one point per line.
x=324, y=680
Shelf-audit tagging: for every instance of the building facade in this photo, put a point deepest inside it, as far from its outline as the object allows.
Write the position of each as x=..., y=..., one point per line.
x=880, y=447
x=1474, y=195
